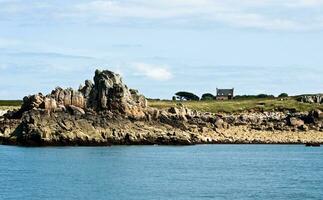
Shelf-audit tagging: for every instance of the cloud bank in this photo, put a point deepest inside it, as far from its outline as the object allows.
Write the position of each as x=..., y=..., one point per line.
x=288, y=15
x=248, y=14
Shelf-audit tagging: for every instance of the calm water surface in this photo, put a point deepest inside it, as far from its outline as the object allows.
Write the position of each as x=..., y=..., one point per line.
x=162, y=172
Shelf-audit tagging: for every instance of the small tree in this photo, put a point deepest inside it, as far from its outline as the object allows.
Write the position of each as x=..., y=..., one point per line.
x=265, y=96
x=174, y=98
x=207, y=96
x=187, y=96
x=283, y=95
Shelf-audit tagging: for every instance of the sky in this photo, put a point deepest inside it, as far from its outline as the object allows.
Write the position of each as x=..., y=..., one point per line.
x=163, y=46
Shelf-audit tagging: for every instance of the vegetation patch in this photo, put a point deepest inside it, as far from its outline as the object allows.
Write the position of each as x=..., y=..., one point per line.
x=237, y=105
x=10, y=102
x=230, y=106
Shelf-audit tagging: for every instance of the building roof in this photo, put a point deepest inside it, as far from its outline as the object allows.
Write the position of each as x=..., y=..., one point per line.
x=224, y=92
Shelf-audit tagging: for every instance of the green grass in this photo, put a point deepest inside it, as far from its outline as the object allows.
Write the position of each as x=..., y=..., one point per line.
x=10, y=103
x=231, y=106
x=235, y=106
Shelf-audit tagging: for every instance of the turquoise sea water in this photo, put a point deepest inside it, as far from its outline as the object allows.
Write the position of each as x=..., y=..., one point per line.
x=162, y=172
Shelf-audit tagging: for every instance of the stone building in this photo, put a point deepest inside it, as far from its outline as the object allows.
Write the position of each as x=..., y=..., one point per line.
x=224, y=94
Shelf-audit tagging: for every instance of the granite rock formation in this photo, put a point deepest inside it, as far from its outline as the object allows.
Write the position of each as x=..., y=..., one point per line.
x=107, y=112
x=107, y=93
x=318, y=98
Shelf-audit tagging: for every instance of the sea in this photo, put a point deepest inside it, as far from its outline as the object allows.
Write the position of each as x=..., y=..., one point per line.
x=162, y=172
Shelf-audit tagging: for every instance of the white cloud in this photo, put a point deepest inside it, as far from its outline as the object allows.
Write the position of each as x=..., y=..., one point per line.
x=259, y=14
x=284, y=15
x=18, y=6
x=147, y=9
x=304, y=3
x=259, y=21
x=155, y=72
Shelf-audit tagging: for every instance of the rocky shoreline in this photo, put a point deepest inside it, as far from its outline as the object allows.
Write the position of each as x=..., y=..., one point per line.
x=106, y=112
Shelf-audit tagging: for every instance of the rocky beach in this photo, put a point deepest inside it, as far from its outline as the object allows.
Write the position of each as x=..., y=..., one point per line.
x=106, y=112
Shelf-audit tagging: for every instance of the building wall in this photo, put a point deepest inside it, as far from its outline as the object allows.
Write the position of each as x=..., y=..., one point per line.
x=222, y=98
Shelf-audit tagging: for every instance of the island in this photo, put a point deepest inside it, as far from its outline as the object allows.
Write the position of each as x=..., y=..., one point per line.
x=106, y=112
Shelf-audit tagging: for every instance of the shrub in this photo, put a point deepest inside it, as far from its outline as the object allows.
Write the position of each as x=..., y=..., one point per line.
x=245, y=97
x=187, y=96
x=259, y=96
x=283, y=95
x=265, y=96
x=207, y=96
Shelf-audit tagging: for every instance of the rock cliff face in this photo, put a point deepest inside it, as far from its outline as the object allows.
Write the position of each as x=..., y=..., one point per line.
x=106, y=112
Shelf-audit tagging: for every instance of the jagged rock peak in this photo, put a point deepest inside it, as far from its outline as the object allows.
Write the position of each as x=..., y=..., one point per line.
x=108, y=92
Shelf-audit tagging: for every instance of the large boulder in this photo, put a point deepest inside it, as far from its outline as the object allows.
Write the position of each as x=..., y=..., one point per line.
x=2, y=112
x=87, y=89
x=293, y=121
x=68, y=97
x=49, y=103
x=107, y=93
x=317, y=114
x=110, y=93
x=219, y=123
x=32, y=101
x=75, y=110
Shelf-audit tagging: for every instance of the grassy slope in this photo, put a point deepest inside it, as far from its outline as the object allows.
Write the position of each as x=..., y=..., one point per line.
x=238, y=105
x=214, y=106
x=10, y=104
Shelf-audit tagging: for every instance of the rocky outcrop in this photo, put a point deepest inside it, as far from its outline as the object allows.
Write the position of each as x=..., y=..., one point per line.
x=311, y=98
x=107, y=93
x=106, y=112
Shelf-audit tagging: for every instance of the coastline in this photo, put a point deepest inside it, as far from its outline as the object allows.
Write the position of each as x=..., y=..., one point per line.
x=80, y=132
x=107, y=112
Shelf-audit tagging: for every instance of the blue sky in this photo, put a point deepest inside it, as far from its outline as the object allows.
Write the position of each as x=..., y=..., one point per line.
x=163, y=46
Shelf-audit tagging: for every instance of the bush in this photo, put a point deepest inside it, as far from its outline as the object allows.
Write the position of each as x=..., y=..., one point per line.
x=283, y=95
x=10, y=102
x=245, y=97
x=265, y=96
x=187, y=96
x=259, y=96
x=207, y=96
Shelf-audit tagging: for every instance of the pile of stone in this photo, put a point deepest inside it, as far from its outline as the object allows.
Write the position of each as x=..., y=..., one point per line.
x=311, y=98
x=280, y=121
